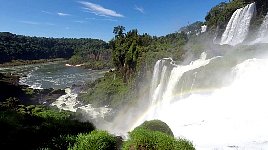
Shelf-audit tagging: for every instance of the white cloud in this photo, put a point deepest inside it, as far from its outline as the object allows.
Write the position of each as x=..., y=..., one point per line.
x=108, y=19
x=140, y=9
x=102, y=19
x=46, y=12
x=37, y=23
x=30, y=22
x=63, y=14
x=80, y=21
x=99, y=10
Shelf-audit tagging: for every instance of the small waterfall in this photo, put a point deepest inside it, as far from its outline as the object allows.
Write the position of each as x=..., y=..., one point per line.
x=237, y=28
x=262, y=36
x=69, y=102
x=155, y=79
x=159, y=80
x=264, y=28
x=203, y=28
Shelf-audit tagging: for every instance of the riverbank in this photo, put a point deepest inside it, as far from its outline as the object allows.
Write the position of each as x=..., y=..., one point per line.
x=10, y=87
x=94, y=65
x=29, y=62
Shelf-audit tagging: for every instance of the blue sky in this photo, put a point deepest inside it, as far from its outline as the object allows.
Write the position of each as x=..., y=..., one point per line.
x=96, y=18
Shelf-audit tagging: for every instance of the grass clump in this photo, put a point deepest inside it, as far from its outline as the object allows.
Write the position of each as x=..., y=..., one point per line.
x=157, y=125
x=96, y=140
x=143, y=139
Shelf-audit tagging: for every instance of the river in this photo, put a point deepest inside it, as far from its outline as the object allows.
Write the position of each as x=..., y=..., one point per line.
x=58, y=75
x=54, y=75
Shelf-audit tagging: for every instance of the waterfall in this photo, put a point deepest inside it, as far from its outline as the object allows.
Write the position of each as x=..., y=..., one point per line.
x=165, y=78
x=262, y=35
x=232, y=115
x=237, y=28
x=263, y=31
x=160, y=75
x=203, y=28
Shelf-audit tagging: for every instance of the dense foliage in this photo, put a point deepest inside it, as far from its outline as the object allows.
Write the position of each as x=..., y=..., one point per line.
x=36, y=127
x=127, y=48
x=18, y=47
x=95, y=54
x=108, y=91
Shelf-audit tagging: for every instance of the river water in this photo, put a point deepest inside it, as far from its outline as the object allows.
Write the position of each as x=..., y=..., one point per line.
x=54, y=75
x=58, y=75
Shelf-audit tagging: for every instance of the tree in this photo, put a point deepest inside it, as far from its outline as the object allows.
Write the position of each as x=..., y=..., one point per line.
x=119, y=31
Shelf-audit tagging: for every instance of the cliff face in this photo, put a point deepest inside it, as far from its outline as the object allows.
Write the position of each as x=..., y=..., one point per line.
x=261, y=6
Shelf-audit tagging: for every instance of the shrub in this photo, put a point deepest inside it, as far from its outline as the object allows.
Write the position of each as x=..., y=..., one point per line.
x=96, y=140
x=157, y=125
x=143, y=139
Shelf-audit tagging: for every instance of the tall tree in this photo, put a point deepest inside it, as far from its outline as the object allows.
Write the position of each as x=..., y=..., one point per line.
x=119, y=31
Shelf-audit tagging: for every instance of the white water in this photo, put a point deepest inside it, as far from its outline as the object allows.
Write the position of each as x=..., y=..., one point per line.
x=203, y=28
x=231, y=117
x=237, y=28
x=262, y=36
x=69, y=102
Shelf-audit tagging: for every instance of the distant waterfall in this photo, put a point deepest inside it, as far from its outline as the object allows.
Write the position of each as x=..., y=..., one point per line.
x=238, y=26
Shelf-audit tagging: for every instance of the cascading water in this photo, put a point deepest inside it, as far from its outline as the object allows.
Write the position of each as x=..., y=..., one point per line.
x=203, y=28
x=238, y=26
x=262, y=36
x=160, y=74
x=227, y=116
x=69, y=102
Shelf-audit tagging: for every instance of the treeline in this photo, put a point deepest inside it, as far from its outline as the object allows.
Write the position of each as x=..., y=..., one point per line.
x=18, y=47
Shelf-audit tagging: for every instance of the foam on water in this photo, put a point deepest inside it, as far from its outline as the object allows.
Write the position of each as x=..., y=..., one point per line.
x=69, y=102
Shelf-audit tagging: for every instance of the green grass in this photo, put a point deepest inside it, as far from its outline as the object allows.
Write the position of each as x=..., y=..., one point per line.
x=157, y=125
x=143, y=139
x=96, y=140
